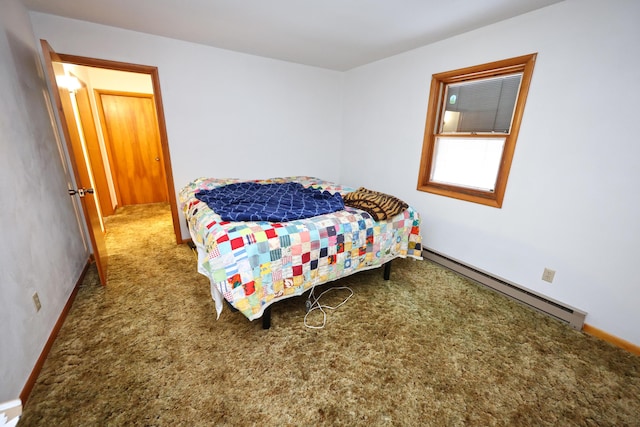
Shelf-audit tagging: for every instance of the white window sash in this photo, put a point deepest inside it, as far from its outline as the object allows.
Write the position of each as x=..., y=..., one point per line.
x=471, y=162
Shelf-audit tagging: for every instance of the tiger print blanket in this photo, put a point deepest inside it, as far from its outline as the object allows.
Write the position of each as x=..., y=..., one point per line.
x=379, y=205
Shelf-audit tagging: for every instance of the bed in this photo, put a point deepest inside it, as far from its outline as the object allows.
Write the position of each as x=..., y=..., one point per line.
x=253, y=264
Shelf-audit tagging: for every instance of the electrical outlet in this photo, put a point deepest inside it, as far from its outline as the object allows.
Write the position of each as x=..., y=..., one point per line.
x=548, y=275
x=36, y=301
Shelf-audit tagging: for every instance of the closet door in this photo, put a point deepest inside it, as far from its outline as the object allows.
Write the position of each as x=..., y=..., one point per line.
x=131, y=131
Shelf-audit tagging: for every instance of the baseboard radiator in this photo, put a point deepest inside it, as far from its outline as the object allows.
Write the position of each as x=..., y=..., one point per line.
x=572, y=316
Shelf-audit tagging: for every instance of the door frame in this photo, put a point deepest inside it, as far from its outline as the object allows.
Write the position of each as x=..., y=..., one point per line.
x=94, y=153
x=152, y=71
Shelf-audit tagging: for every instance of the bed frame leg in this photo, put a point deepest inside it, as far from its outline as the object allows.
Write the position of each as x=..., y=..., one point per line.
x=266, y=318
x=387, y=270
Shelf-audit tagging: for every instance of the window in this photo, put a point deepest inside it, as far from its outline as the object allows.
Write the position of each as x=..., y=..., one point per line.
x=473, y=120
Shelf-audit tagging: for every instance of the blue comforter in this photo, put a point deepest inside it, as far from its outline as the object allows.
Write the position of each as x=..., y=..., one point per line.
x=251, y=201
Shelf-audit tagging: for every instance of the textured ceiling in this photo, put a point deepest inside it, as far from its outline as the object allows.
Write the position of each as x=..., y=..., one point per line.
x=333, y=34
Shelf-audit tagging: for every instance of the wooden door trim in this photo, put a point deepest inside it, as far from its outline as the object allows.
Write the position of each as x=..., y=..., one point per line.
x=152, y=71
x=107, y=143
x=124, y=93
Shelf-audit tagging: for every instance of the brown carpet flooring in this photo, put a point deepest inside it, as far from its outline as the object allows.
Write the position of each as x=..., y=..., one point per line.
x=425, y=348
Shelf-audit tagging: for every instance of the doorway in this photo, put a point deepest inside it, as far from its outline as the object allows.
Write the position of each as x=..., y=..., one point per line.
x=161, y=163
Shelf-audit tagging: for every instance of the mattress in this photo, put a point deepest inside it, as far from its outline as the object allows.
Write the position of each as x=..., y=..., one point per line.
x=252, y=264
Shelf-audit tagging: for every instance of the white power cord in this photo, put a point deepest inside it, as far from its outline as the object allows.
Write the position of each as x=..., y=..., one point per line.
x=313, y=303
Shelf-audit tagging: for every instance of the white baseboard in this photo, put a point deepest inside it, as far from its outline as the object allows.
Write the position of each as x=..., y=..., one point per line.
x=10, y=413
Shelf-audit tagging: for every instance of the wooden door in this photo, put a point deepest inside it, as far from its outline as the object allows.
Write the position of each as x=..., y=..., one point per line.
x=131, y=131
x=93, y=151
x=78, y=164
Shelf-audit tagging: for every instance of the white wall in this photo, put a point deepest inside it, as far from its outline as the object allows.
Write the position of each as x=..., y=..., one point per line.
x=101, y=78
x=228, y=114
x=571, y=202
x=42, y=249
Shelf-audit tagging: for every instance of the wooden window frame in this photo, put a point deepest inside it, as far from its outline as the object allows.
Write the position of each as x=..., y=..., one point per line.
x=524, y=64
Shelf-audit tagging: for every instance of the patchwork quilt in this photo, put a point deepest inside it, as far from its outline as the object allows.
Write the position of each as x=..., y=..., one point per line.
x=252, y=264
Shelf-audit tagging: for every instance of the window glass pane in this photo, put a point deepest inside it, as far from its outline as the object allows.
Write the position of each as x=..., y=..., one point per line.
x=467, y=162
x=484, y=105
